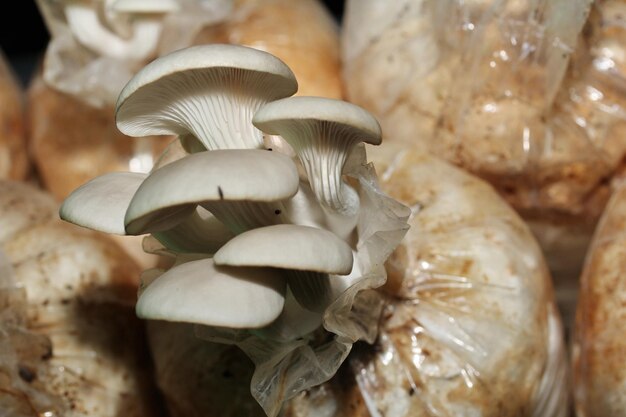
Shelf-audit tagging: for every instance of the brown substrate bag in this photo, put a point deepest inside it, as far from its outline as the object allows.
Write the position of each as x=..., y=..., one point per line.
x=13, y=159
x=70, y=344
x=600, y=334
x=73, y=142
x=301, y=33
x=529, y=95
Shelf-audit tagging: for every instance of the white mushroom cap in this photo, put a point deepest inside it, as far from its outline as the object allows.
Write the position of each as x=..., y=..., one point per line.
x=101, y=203
x=322, y=132
x=210, y=91
x=84, y=22
x=288, y=246
x=200, y=292
x=310, y=254
x=226, y=178
x=144, y=6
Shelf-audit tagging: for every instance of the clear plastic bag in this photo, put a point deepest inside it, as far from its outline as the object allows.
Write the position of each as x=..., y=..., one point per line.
x=528, y=94
x=599, y=353
x=13, y=160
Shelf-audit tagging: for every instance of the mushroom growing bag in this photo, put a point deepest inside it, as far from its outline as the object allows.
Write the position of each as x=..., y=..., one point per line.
x=599, y=354
x=66, y=298
x=13, y=160
x=528, y=94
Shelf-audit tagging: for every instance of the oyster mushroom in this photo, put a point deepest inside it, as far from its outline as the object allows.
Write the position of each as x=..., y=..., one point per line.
x=308, y=254
x=323, y=132
x=119, y=35
x=203, y=293
x=234, y=185
x=101, y=203
x=208, y=91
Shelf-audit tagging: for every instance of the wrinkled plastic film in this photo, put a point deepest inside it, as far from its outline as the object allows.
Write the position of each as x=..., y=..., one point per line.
x=527, y=94
x=286, y=368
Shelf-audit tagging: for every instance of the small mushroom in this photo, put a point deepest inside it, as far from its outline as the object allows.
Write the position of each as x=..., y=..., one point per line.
x=101, y=203
x=209, y=91
x=308, y=254
x=203, y=293
x=323, y=132
x=137, y=38
x=235, y=185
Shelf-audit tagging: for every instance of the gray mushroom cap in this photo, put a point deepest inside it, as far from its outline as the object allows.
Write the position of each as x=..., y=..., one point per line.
x=210, y=91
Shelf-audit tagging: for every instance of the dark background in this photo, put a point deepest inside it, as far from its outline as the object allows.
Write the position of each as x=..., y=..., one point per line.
x=23, y=35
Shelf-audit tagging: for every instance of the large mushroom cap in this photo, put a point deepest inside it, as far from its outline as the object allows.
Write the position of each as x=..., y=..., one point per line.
x=211, y=91
x=200, y=292
x=288, y=246
x=351, y=120
x=229, y=175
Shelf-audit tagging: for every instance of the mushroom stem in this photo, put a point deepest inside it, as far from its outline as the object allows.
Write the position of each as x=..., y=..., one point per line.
x=293, y=323
x=304, y=209
x=312, y=289
x=343, y=223
x=315, y=291
x=240, y=216
x=199, y=233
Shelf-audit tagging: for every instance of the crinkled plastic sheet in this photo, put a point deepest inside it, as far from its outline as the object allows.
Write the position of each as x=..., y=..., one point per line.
x=599, y=353
x=528, y=94
x=97, y=79
x=285, y=368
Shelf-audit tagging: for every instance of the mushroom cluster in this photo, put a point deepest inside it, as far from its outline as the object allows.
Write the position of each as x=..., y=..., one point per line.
x=107, y=40
x=272, y=218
